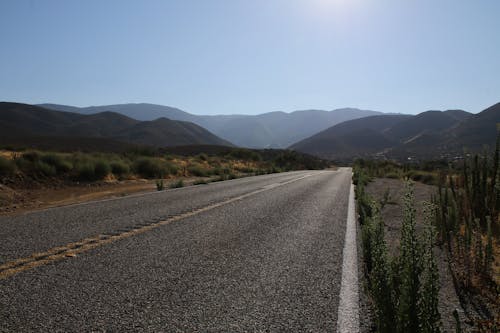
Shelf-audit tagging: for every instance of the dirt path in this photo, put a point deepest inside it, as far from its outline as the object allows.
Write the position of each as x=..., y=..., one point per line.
x=14, y=201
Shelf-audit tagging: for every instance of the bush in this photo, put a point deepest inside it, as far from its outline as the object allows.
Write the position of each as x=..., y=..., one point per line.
x=23, y=164
x=31, y=156
x=177, y=184
x=101, y=169
x=119, y=168
x=45, y=169
x=60, y=164
x=202, y=157
x=172, y=168
x=7, y=167
x=245, y=154
x=84, y=170
x=160, y=185
x=246, y=169
x=198, y=171
x=150, y=167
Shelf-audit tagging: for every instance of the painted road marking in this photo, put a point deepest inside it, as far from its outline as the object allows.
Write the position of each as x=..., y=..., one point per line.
x=70, y=250
x=348, y=312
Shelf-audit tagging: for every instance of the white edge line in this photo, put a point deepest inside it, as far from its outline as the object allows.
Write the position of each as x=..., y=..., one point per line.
x=348, y=311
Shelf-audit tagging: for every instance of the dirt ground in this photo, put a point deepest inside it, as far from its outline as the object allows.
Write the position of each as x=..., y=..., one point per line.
x=17, y=200
x=392, y=214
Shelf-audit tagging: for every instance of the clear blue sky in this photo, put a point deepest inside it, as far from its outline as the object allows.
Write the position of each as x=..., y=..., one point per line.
x=253, y=56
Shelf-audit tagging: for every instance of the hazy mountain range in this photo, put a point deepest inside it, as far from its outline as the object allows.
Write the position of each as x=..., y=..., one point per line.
x=431, y=134
x=267, y=130
x=428, y=135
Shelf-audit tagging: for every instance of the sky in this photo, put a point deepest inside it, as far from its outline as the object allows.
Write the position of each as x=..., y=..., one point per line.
x=253, y=56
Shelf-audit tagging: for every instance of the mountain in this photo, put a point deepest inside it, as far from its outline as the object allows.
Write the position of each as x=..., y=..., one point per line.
x=479, y=130
x=267, y=130
x=354, y=138
x=23, y=120
x=166, y=132
x=423, y=123
x=428, y=135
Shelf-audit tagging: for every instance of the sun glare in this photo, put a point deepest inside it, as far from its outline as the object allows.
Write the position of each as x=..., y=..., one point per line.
x=333, y=9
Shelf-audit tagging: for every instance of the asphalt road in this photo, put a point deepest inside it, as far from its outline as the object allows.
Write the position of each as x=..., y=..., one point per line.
x=258, y=254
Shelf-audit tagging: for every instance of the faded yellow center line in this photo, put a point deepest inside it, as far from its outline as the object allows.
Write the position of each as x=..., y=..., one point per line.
x=72, y=249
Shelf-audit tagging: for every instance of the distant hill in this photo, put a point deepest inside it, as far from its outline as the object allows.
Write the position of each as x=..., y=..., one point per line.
x=479, y=130
x=22, y=121
x=431, y=134
x=354, y=138
x=267, y=130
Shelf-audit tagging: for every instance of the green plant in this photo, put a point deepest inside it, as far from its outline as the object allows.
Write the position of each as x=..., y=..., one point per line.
x=58, y=161
x=160, y=186
x=31, y=156
x=7, y=167
x=410, y=268
x=101, y=169
x=45, y=169
x=430, y=318
x=177, y=184
x=202, y=157
x=200, y=182
x=84, y=170
x=380, y=274
x=119, y=168
x=197, y=170
x=150, y=167
x=404, y=289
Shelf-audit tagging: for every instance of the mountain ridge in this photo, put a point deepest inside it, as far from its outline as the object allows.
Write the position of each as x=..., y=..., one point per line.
x=427, y=135
x=276, y=129
x=36, y=121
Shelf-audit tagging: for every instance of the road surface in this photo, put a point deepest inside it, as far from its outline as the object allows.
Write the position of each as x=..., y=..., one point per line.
x=258, y=254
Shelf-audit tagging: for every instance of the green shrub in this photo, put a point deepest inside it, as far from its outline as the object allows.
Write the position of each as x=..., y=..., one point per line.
x=31, y=156
x=119, y=168
x=217, y=171
x=245, y=154
x=198, y=171
x=202, y=157
x=410, y=267
x=24, y=164
x=149, y=167
x=7, y=167
x=61, y=164
x=45, y=169
x=101, y=169
x=160, y=186
x=246, y=169
x=200, y=182
x=84, y=170
x=177, y=184
x=172, y=168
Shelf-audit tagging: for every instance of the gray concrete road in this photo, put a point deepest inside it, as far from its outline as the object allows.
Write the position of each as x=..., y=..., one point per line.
x=259, y=254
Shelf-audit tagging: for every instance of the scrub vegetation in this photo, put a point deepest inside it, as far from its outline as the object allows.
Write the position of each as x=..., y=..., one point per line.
x=150, y=164
x=462, y=218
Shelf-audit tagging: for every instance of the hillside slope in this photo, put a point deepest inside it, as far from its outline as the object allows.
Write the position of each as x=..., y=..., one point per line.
x=23, y=120
x=428, y=135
